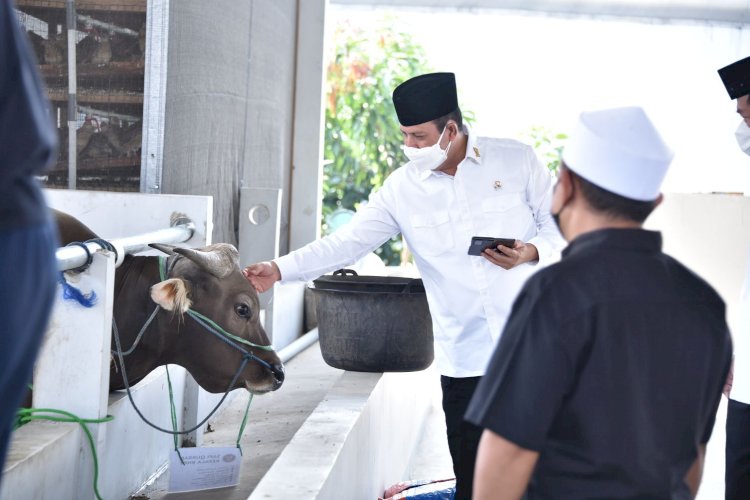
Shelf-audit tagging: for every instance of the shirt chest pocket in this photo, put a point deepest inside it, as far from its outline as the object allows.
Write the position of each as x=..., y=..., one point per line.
x=432, y=233
x=507, y=216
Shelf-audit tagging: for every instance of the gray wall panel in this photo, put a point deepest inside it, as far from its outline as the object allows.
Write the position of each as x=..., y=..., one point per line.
x=270, y=111
x=212, y=108
x=230, y=103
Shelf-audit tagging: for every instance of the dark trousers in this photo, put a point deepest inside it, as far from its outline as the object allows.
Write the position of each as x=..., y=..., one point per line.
x=27, y=291
x=737, y=472
x=463, y=437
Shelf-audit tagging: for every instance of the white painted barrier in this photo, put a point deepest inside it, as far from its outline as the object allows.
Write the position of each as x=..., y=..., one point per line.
x=359, y=440
x=116, y=215
x=72, y=372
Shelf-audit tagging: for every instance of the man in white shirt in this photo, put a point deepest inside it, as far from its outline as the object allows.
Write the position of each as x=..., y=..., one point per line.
x=736, y=78
x=455, y=186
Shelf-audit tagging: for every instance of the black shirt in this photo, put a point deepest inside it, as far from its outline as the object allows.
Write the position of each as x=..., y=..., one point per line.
x=611, y=366
x=27, y=135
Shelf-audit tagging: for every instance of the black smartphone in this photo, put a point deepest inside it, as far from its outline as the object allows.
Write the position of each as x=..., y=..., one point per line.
x=480, y=243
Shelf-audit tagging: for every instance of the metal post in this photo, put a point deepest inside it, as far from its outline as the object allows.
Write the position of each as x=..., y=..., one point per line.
x=155, y=95
x=70, y=21
x=75, y=256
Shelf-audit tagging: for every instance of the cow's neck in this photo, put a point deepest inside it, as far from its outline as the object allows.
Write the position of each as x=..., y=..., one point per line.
x=133, y=306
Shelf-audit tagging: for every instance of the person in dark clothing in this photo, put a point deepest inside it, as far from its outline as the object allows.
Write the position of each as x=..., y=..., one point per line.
x=28, y=237
x=736, y=79
x=607, y=377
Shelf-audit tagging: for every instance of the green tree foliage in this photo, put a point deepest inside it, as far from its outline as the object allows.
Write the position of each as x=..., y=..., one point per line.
x=362, y=136
x=547, y=144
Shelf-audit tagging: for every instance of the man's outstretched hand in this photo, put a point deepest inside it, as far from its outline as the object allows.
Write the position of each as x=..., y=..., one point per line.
x=262, y=275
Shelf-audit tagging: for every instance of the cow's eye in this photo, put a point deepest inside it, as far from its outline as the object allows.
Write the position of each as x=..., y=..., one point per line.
x=242, y=310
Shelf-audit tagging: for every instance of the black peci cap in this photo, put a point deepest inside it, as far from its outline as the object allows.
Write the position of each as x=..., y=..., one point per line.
x=736, y=78
x=425, y=98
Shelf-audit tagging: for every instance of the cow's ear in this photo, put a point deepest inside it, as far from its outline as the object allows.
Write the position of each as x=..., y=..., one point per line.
x=172, y=295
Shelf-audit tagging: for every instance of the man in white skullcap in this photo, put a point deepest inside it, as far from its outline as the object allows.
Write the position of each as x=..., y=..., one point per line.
x=608, y=374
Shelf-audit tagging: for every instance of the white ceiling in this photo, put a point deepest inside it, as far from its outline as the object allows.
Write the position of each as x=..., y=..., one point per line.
x=725, y=11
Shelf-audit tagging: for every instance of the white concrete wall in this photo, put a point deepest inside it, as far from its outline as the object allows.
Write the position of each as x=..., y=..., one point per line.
x=116, y=215
x=41, y=462
x=359, y=440
x=306, y=203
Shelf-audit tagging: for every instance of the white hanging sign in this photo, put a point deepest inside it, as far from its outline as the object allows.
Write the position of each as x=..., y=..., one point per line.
x=204, y=468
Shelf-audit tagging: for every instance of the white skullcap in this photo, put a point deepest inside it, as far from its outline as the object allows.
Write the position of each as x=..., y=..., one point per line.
x=619, y=150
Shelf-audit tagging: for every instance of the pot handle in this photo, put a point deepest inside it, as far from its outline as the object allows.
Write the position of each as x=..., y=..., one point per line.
x=345, y=272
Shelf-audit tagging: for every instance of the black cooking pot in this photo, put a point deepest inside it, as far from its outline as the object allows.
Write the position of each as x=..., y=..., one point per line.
x=373, y=323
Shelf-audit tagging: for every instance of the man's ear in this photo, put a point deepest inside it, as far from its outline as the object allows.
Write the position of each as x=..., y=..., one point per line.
x=658, y=200
x=172, y=295
x=565, y=183
x=452, y=130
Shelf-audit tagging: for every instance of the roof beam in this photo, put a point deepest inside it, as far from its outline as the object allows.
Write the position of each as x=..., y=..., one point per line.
x=724, y=11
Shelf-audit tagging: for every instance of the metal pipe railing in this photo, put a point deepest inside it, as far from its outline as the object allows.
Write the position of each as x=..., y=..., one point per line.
x=72, y=257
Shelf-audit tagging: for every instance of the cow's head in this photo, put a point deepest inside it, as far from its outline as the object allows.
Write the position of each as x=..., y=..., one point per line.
x=209, y=281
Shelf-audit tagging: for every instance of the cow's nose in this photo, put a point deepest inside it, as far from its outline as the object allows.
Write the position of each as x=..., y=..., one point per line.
x=278, y=372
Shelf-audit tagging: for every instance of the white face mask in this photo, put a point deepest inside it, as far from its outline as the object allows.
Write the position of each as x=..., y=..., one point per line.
x=743, y=137
x=428, y=158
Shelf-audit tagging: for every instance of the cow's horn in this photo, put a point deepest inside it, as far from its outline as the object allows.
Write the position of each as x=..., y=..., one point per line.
x=162, y=247
x=219, y=259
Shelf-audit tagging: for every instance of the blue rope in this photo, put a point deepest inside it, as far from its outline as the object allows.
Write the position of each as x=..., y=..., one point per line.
x=72, y=293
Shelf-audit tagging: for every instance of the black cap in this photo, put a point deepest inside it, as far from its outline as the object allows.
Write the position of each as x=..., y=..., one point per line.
x=736, y=78
x=425, y=98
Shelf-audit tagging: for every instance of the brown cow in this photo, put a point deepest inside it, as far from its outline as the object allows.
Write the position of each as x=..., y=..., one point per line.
x=207, y=281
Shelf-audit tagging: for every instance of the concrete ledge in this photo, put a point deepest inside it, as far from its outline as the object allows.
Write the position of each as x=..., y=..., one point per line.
x=42, y=458
x=359, y=440
x=52, y=460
